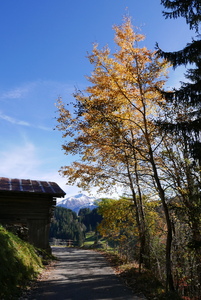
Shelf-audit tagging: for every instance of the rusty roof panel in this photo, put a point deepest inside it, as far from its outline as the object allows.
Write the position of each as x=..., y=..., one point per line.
x=5, y=184
x=31, y=186
x=55, y=187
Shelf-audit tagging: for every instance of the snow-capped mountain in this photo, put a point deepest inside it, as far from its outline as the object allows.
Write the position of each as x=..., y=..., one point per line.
x=77, y=202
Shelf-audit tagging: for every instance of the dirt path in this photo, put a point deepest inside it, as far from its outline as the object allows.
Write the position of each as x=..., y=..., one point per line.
x=80, y=275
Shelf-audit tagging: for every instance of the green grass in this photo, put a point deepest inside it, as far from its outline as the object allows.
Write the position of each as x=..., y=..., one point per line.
x=92, y=242
x=90, y=239
x=19, y=263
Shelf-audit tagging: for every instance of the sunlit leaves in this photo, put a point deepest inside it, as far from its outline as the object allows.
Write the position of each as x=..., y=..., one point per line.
x=115, y=111
x=118, y=222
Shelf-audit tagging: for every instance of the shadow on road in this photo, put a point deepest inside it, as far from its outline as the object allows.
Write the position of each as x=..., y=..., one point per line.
x=81, y=275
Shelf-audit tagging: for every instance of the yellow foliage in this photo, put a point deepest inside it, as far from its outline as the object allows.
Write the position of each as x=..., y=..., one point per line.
x=113, y=127
x=118, y=219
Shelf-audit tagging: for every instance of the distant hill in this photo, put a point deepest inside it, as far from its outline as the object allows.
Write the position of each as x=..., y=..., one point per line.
x=75, y=203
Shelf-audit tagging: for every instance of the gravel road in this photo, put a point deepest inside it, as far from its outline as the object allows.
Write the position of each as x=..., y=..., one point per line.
x=80, y=275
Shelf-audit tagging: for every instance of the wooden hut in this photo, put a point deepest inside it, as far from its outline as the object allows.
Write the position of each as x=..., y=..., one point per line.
x=28, y=205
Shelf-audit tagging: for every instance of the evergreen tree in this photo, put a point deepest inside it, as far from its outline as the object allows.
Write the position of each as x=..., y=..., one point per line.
x=186, y=102
x=189, y=9
x=90, y=218
x=65, y=225
x=188, y=124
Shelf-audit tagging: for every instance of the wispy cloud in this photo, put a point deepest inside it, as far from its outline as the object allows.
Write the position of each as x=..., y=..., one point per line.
x=43, y=128
x=34, y=104
x=25, y=162
x=14, y=94
x=13, y=120
x=31, y=106
x=37, y=88
x=18, y=92
x=19, y=161
x=22, y=123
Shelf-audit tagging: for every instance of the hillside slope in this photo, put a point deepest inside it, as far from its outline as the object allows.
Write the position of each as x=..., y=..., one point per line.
x=18, y=265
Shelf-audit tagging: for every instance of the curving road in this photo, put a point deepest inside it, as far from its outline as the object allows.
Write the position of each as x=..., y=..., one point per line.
x=80, y=275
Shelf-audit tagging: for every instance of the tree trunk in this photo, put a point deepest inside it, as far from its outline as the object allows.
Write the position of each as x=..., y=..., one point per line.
x=138, y=220
x=169, y=277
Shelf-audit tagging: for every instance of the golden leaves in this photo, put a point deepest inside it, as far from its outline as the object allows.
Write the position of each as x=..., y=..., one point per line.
x=118, y=219
x=114, y=113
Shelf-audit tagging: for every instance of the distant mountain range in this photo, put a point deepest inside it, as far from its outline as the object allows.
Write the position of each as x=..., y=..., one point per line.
x=77, y=202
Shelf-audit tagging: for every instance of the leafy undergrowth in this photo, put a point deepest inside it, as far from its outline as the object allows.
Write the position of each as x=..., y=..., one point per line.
x=144, y=283
x=141, y=283
x=19, y=264
x=91, y=242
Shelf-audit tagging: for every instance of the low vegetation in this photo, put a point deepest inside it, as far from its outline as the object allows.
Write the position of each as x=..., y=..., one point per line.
x=20, y=263
x=142, y=283
x=116, y=235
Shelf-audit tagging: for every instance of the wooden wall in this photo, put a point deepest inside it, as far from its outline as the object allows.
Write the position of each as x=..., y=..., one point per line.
x=31, y=210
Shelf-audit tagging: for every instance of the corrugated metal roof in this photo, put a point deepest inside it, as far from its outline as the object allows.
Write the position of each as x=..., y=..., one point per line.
x=32, y=186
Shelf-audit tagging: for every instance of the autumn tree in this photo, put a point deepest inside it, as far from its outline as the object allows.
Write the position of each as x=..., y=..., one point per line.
x=113, y=127
x=119, y=225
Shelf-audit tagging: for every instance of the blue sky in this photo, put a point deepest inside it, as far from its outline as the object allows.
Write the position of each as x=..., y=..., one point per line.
x=43, y=48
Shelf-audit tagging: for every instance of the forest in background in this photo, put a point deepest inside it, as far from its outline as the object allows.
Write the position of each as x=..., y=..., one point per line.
x=71, y=228
x=130, y=132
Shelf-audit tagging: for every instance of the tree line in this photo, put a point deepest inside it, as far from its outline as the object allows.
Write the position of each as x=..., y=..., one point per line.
x=131, y=132
x=67, y=225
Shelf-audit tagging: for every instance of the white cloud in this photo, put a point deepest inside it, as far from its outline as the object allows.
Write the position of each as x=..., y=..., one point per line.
x=38, y=88
x=13, y=120
x=22, y=123
x=44, y=128
x=24, y=162
x=18, y=92
x=19, y=161
x=35, y=102
x=14, y=94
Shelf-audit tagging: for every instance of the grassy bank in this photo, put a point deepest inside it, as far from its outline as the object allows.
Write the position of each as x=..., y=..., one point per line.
x=19, y=264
